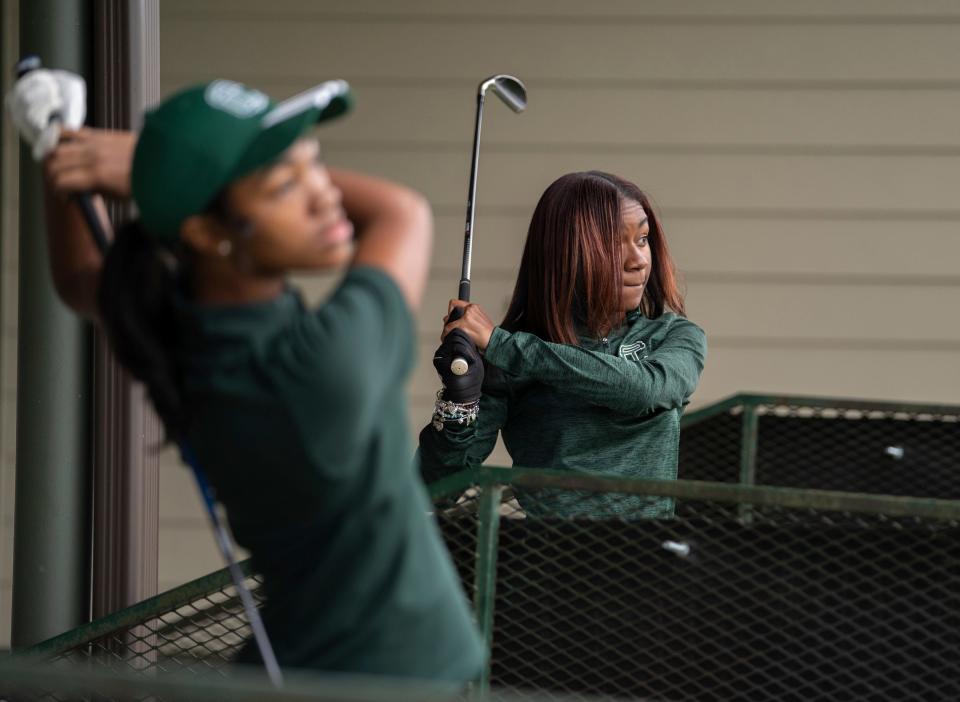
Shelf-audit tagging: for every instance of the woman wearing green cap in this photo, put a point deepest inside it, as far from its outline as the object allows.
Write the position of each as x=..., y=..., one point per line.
x=297, y=415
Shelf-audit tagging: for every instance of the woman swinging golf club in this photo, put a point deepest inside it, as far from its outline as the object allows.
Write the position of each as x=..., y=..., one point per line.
x=593, y=363
x=296, y=415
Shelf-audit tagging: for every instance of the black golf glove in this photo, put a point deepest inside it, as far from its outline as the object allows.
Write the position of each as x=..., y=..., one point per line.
x=459, y=388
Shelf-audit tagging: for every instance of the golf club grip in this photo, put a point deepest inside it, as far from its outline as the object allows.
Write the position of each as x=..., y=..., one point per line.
x=455, y=314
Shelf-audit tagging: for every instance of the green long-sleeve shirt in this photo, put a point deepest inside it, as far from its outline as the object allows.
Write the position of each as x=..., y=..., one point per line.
x=609, y=406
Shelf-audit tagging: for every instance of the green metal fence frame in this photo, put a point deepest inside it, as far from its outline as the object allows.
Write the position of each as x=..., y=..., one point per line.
x=750, y=402
x=746, y=399
x=240, y=686
x=489, y=482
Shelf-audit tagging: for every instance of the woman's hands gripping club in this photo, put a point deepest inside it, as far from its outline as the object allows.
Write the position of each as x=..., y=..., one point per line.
x=466, y=333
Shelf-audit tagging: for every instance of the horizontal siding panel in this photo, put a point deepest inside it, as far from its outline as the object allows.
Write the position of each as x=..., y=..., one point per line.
x=748, y=247
x=179, y=496
x=828, y=248
x=547, y=10
x=608, y=52
x=880, y=374
x=650, y=117
x=788, y=120
x=784, y=311
x=497, y=244
x=882, y=184
x=825, y=311
x=186, y=553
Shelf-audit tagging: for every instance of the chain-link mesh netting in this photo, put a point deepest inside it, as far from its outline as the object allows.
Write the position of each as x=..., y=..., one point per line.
x=732, y=593
x=200, y=635
x=826, y=444
x=457, y=518
x=196, y=629
x=786, y=604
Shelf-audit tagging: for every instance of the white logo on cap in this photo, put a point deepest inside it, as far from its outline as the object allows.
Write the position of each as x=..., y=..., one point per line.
x=235, y=98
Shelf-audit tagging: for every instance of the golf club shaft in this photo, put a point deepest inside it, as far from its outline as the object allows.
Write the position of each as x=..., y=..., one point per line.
x=226, y=550
x=464, y=291
x=513, y=94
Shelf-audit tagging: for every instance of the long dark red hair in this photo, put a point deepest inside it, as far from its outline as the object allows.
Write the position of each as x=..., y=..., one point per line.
x=571, y=273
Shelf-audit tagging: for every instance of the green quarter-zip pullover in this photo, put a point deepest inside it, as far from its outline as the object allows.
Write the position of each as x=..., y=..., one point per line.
x=609, y=406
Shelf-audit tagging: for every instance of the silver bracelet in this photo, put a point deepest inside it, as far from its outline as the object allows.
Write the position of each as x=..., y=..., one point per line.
x=446, y=411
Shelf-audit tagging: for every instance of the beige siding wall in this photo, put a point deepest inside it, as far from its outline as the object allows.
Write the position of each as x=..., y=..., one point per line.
x=805, y=156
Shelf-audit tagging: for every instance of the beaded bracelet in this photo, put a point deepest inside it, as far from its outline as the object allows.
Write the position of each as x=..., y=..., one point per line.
x=446, y=411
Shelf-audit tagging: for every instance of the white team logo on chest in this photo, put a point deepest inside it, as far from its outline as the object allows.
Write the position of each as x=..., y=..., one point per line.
x=633, y=352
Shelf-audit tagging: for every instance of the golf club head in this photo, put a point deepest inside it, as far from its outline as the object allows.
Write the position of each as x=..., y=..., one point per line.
x=509, y=89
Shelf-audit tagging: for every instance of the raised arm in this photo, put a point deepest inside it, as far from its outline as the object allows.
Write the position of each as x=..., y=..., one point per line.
x=365, y=328
x=665, y=379
x=395, y=229
x=94, y=161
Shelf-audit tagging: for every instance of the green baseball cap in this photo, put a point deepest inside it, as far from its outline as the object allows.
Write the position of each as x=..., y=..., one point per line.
x=199, y=140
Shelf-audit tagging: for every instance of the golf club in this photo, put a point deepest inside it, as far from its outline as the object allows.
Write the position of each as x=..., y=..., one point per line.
x=514, y=94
